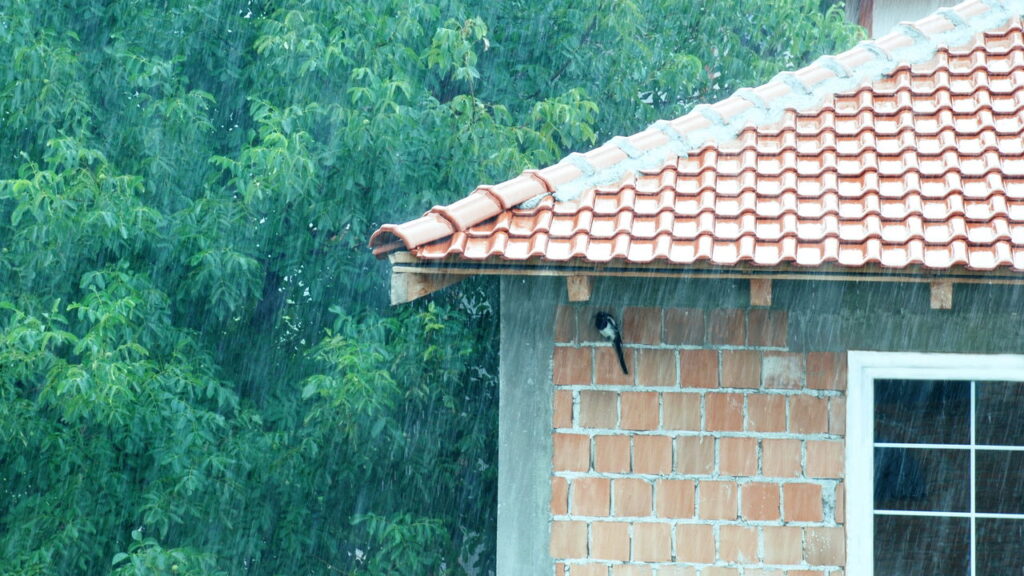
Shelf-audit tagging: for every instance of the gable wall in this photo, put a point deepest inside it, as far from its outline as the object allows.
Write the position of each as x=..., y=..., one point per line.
x=722, y=453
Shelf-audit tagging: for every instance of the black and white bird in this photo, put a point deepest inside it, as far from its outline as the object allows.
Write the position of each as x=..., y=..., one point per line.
x=606, y=325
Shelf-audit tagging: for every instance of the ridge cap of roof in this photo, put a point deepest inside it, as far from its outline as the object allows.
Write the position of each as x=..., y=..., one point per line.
x=621, y=157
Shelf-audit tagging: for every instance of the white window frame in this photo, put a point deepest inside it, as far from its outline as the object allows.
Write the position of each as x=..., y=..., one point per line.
x=863, y=369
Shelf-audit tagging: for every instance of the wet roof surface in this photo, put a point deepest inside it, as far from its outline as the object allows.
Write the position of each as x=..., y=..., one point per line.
x=924, y=166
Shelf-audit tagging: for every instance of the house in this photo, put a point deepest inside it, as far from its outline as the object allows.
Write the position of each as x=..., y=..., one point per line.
x=817, y=283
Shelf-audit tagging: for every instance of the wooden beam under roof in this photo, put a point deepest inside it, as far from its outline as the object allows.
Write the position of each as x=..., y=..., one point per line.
x=406, y=263
x=408, y=286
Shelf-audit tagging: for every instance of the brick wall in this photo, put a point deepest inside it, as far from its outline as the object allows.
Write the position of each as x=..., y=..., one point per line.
x=721, y=454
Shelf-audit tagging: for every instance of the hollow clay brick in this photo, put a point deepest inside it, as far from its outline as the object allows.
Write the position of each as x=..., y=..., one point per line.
x=652, y=454
x=808, y=415
x=568, y=539
x=652, y=542
x=695, y=454
x=681, y=411
x=737, y=456
x=766, y=328
x=825, y=546
x=782, y=370
x=632, y=497
x=562, y=409
x=656, y=368
x=766, y=413
x=571, y=452
x=760, y=501
x=724, y=412
x=598, y=409
x=737, y=544
x=782, y=544
x=840, y=503
x=837, y=416
x=801, y=502
x=639, y=411
x=826, y=371
x=695, y=543
x=609, y=541
x=565, y=324
x=611, y=454
x=741, y=369
x=674, y=498
x=717, y=500
x=825, y=459
x=726, y=327
x=572, y=366
x=780, y=457
x=559, y=496
x=641, y=325
x=698, y=368
x=607, y=371
x=684, y=326
x=591, y=497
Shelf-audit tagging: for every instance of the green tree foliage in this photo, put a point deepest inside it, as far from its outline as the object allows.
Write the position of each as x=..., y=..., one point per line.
x=199, y=373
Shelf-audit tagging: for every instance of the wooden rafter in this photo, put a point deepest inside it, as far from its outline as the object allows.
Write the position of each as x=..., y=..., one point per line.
x=942, y=295
x=578, y=288
x=760, y=292
x=408, y=286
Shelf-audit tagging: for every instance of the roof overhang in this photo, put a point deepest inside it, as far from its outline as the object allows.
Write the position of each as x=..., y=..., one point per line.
x=413, y=278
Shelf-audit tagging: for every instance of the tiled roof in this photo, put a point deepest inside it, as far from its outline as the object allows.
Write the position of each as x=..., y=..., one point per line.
x=920, y=164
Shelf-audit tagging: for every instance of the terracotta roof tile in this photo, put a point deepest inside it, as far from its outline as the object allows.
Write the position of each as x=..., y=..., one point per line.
x=922, y=166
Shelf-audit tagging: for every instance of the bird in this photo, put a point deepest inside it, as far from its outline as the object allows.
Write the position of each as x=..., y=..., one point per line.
x=608, y=328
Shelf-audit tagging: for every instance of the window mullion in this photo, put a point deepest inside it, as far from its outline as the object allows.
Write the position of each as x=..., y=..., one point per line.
x=974, y=511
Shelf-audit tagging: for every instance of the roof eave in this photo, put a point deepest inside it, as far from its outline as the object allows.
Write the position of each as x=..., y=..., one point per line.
x=413, y=277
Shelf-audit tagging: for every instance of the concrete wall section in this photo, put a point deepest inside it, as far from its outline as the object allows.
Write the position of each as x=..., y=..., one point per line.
x=836, y=316
x=524, y=427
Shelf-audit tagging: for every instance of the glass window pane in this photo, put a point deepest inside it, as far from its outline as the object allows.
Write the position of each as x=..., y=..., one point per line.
x=922, y=546
x=1000, y=482
x=922, y=412
x=920, y=479
x=1000, y=547
x=1000, y=418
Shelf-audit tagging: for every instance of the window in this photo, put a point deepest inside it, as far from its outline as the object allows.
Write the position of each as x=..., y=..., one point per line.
x=935, y=467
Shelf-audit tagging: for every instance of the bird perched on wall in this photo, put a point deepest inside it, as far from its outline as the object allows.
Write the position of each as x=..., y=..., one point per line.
x=606, y=325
